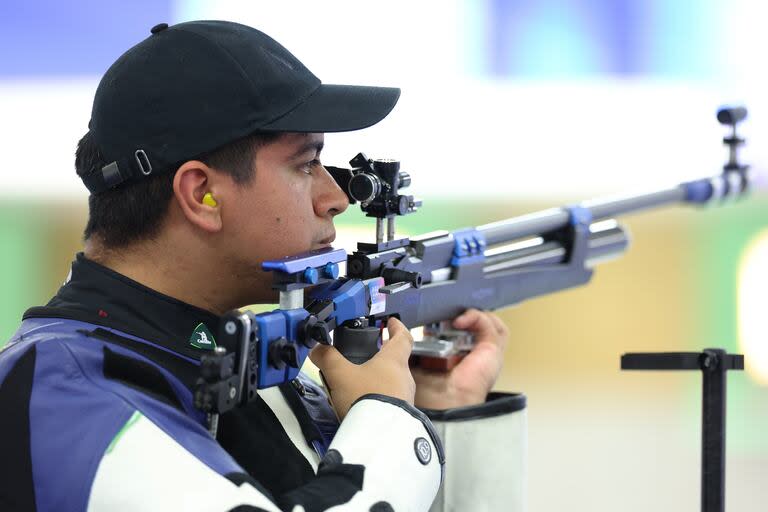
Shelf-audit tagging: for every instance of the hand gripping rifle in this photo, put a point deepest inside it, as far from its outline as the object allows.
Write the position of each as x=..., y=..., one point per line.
x=426, y=280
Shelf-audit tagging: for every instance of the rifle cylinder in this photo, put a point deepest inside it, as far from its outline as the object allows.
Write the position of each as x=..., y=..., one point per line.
x=553, y=219
x=603, y=244
x=524, y=226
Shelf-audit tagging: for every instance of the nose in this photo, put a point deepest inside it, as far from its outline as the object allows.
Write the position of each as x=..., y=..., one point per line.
x=329, y=199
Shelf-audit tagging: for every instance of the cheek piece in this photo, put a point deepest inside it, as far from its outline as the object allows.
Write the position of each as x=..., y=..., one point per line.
x=209, y=200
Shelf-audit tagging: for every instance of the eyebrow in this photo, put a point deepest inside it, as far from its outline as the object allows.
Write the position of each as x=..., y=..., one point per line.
x=316, y=145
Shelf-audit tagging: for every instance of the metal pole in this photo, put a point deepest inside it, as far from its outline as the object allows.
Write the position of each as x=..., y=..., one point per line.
x=379, y=230
x=714, y=364
x=293, y=299
x=713, y=431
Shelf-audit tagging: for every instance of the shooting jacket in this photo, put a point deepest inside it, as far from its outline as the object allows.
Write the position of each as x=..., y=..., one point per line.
x=96, y=407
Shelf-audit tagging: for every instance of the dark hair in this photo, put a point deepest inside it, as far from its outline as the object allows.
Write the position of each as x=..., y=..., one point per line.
x=134, y=212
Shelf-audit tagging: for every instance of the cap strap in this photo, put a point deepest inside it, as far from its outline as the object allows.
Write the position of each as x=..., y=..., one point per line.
x=118, y=172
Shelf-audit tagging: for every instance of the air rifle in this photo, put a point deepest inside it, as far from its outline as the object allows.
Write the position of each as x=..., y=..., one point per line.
x=425, y=280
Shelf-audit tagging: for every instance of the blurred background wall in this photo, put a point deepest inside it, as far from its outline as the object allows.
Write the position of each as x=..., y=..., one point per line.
x=507, y=107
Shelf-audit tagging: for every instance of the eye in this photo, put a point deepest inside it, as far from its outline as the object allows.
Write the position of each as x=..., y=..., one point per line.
x=307, y=167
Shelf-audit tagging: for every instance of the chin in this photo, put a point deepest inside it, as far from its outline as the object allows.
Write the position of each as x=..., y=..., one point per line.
x=267, y=297
x=257, y=290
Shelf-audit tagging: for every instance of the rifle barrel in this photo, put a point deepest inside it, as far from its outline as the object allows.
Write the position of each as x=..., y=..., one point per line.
x=556, y=218
x=604, y=208
x=731, y=184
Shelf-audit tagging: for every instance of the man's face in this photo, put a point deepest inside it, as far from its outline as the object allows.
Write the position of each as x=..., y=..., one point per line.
x=287, y=208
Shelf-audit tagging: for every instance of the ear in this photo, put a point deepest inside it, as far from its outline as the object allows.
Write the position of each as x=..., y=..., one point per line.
x=191, y=182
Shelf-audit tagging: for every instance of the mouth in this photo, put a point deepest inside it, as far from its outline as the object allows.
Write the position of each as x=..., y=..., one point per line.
x=327, y=241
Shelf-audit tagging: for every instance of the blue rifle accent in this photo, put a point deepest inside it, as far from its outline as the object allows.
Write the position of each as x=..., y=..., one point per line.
x=579, y=216
x=699, y=191
x=469, y=247
x=310, y=275
x=350, y=298
x=579, y=219
x=311, y=259
x=280, y=323
x=331, y=270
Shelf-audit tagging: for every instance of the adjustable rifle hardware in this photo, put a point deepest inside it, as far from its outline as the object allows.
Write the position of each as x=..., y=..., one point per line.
x=376, y=184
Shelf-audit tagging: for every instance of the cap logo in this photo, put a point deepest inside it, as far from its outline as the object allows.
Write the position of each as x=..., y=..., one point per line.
x=202, y=338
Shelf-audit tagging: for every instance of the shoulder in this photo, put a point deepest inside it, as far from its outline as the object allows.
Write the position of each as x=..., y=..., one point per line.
x=70, y=397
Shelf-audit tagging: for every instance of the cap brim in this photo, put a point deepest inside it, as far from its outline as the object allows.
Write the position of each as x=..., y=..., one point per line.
x=338, y=108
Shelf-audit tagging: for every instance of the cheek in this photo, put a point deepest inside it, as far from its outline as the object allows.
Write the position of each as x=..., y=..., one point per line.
x=285, y=220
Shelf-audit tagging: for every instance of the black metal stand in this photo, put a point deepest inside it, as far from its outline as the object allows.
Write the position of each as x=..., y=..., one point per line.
x=714, y=363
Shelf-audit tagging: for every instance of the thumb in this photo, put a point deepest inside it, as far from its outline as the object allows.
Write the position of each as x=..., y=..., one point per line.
x=324, y=356
x=400, y=340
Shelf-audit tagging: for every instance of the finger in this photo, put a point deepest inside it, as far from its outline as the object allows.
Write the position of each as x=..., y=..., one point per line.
x=400, y=339
x=463, y=318
x=395, y=326
x=476, y=322
x=501, y=327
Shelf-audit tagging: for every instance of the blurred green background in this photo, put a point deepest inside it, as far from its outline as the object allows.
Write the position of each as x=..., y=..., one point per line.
x=596, y=434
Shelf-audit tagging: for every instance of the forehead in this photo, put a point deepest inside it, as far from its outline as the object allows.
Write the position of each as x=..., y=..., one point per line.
x=293, y=145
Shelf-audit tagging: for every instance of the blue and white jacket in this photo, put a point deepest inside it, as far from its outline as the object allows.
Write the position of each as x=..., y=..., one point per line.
x=97, y=414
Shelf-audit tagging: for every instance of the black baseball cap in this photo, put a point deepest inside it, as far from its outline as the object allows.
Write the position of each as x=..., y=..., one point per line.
x=193, y=87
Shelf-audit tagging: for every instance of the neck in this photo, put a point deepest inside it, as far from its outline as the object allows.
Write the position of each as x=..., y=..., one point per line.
x=189, y=274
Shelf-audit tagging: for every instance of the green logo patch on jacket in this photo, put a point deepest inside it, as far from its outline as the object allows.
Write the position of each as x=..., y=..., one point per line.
x=202, y=338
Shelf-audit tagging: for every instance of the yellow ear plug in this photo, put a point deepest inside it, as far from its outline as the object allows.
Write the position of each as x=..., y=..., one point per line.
x=209, y=200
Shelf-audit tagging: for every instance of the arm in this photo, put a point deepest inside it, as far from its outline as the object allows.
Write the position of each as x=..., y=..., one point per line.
x=100, y=444
x=484, y=433
x=385, y=451
x=146, y=469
